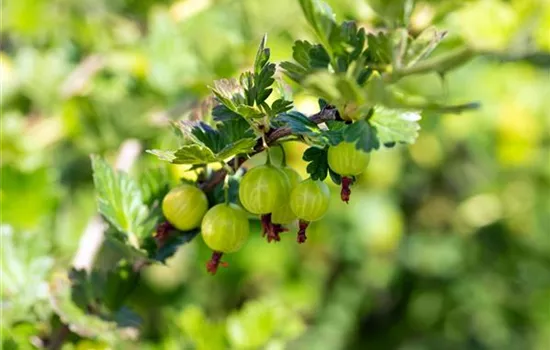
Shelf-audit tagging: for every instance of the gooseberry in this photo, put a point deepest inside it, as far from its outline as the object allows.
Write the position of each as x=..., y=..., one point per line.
x=284, y=214
x=184, y=207
x=348, y=161
x=263, y=189
x=225, y=229
x=309, y=201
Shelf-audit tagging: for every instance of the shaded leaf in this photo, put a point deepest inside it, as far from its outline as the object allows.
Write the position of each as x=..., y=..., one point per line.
x=318, y=162
x=172, y=245
x=299, y=123
x=363, y=135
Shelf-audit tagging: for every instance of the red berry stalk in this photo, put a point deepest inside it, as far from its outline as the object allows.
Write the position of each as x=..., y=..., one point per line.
x=271, y=230
x=214, y=262
x=302, y=226
x=345, y=193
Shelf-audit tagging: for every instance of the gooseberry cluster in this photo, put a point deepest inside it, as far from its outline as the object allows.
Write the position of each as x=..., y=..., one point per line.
x=277, y=194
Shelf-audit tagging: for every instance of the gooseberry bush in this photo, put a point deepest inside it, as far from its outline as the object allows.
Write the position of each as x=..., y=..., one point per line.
x=354, y=74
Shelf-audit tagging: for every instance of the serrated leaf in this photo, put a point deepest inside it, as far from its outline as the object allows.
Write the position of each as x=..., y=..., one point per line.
x=262, y=56
x=119, y=198
x=220, y=112
x=320, y=17
x=299, y=123
x=229, y=93
x=280, y=106
x=318, y=57
x=335, y=133
x=154, y=184
x=294, y=71
x=300, y=53
x=395, y=126
x=263, y=81
x=363, y=135
x=201, y=134
x=234, y=129
x=171, y=246
x=188, y=154
x=241, y=146
x=318, y=162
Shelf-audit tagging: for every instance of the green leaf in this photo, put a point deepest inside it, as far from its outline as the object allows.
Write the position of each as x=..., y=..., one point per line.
x=202, y=134
x=423, y=45
x=188, y=154
x=262, y=82
x=320, y=16
x=229, y=93
x=395, y=12
x=119, y=198
x=294, y=71
x=220, y=112
x=299, y=123
x=379, y=49
x=335, y=133
x=79, y=320
x=172, y=245
x=280, y=106
x=318, y=57
x=363, y=135
x=301, y=52
x=232, y=130
x=237, y=147
x=318, y=162
x=154, y=184
x=262, y=56
x=25, y=265
x=395, y=126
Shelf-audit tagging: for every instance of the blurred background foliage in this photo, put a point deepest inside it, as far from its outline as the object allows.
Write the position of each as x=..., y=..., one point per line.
x=445, y=244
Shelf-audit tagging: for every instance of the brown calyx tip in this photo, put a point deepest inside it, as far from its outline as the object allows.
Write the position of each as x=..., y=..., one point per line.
x=163, y=233
x=302, y=226
x=214, y=262
x=271, y=230
x=345, y=193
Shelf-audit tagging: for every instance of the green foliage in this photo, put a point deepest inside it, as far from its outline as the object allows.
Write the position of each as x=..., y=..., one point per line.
x=119, y=199
x=445, y=238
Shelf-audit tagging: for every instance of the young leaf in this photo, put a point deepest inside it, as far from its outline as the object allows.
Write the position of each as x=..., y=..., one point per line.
x=363, y=135
x=262, y=56
x=318, y=162
x=394, y=126
x=379, y=49
x=280, y=106
x=263, y=81
x=229, y=93
x=119, y=198
x=301, y=53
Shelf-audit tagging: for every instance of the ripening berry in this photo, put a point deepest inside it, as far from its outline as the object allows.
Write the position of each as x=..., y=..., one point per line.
x=225, y=228
x=309, y=201
x=284, y=214
x=346, y=160
x=184, y=207
x=263, y=189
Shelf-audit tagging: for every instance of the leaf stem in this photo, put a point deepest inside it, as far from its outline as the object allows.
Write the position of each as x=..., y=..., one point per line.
x=283, y=154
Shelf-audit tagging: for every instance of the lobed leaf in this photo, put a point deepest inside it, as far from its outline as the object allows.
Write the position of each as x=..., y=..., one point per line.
x=395, y=126
x=363, y=135
x=318, y=162
x=119, y=198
